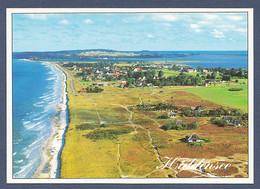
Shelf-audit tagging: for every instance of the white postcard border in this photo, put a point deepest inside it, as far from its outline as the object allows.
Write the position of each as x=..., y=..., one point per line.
x=249, y=180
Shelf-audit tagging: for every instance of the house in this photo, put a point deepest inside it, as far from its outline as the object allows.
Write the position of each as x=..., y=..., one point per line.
x=136, y=69
x=204, y=84
x=191, y=70
x=228, y=118
x=123, y=85
x=199, y=109
x=172, y=115
x=146, y=105
x=236, y=123
x=193, y=138
x=98, y=84
x=82, y=90
x=105, y=84
x=207, y=72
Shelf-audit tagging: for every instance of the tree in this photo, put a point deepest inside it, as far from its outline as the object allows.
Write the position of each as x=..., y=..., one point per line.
x=226, y=77
x=222, y=123
x=168, y=126
x=160, y=74
x=130, y=73
x=242, y=73
x=213, y=75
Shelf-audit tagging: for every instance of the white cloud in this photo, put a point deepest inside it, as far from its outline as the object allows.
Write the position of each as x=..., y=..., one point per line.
x=204, y=22
x=88, y=21
x=226, y=26
x=242, y=30
x=195, y=27
x=37, y=16
x=218, y=34
x=235, y=18
x=149, y=35
x=167, y=25
x=165, y=17
x=134, y=19
x=197, y=30
x=211, y=16
x=64, y=22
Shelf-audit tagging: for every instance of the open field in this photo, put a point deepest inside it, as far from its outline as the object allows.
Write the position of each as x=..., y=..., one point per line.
x=136, y=154
x=222, y=96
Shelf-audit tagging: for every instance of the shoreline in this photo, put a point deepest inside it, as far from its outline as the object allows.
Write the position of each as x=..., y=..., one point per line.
x=52, y=147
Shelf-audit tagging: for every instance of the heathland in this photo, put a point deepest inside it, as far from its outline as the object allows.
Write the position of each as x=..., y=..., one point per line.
x=124, y=123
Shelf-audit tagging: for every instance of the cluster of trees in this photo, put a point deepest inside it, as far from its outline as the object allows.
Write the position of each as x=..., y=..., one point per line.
x=163, y=106
x=159, y=107
x=173, y=125
x=235, y=89
x=239, y=72
x=219, y=122
x=182, y=79
x=164, y=116
x=93, y=90
x=217, y=112
x=110, y=134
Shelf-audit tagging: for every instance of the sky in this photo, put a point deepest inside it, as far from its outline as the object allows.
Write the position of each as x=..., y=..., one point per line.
x=130, y=31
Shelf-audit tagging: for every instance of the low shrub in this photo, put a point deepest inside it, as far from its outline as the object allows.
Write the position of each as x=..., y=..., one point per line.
x=195, y=145
x=235, y=89
x=110, y=134
x=184, y=126
x=163, y=146
x=86, y=127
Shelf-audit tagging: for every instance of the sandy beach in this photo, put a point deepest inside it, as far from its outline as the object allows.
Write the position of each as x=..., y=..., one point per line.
x=52, y=147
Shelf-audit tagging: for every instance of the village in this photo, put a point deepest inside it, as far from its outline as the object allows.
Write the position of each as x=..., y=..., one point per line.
x=157, y=75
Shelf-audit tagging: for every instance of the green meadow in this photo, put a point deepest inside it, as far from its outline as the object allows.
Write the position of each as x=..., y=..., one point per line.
x=222, y=96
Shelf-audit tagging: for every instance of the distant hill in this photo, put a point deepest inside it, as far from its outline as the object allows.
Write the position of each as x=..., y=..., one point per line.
x=84, y=54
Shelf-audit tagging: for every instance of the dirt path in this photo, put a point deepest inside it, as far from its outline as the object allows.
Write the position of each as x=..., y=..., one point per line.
x=71, y=80
x=130, y=120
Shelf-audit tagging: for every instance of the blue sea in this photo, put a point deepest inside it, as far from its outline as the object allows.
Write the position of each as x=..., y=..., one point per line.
x=207, y=59
x=36, y=96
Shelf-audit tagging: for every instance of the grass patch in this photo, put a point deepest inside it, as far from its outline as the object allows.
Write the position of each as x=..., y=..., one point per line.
x=86, y=127
x=222, y=96
x=163, y=146
x=110, y=134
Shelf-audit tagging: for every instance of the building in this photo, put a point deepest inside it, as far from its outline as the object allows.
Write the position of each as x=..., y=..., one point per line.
x=146, y=105
x=193, y=138
x=228, y=118
x=199, y=109
x=236, y=123
x=172, y=115
x=191, y=70
x=204, y=84
x=82, y=90
x=100, y=84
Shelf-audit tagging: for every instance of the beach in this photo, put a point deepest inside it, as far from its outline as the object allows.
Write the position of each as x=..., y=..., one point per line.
x=51, y=149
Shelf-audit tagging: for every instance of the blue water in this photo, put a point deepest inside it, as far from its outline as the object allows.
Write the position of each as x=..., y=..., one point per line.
x=207, y=59
x=36, y=95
